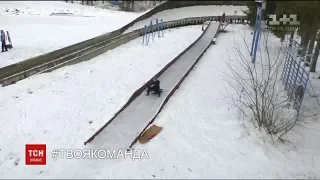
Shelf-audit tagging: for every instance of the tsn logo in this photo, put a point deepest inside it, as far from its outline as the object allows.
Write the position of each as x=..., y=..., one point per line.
x=36, y=154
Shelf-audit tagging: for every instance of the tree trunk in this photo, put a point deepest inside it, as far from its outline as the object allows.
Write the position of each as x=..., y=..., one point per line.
x=282, y=38
x=291, y=38
x=311, y=45
x=315, y=57
x=304, y=42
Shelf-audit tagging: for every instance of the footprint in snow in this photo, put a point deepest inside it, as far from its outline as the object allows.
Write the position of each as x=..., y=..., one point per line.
x=16, y=162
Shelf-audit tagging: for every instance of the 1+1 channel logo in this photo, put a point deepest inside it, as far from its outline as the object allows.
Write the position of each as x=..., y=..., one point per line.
x=286, y=23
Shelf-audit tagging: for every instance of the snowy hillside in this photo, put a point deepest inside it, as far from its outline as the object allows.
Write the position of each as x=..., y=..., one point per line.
x=34, y=31
x=73, y=102
x=43, y=8
x=202, y=136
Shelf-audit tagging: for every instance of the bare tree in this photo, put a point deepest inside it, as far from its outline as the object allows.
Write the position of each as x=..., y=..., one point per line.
x=256, y=89
x=315, y=57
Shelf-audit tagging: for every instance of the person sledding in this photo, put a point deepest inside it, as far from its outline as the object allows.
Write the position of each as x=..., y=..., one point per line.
x=154, y=87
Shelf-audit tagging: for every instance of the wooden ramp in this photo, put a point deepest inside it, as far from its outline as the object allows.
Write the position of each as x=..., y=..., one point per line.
x=129, y=123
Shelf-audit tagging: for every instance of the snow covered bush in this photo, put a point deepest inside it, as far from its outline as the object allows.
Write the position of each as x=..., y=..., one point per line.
x=257, y=91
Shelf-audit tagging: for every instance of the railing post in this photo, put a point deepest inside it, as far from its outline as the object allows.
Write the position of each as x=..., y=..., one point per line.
x=144, y=34
x=162, y=25
x=149, y=29
x=158, y=27
x=254, y=35
x=257, y=32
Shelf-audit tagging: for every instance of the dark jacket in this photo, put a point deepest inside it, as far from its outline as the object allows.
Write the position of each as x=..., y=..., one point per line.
x=223, y=18
x=155, y=85
x=3, y=36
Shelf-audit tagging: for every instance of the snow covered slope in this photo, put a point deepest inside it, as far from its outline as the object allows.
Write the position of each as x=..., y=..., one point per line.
x=192, y=11
x=65, y=107
x=34, y=32
x=202, y=137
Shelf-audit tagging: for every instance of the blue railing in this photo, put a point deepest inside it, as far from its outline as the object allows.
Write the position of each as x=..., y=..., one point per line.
x=151, y=30
x=294, y=76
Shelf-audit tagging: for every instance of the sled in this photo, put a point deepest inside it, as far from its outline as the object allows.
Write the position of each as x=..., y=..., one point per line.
x=9, y=46
x=153, y=92
x=149, y=134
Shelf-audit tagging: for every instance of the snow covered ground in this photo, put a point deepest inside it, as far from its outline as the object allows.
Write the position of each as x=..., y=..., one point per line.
x=202, y=137
x=204, y=130
x=65, y=107
x=193, y=11
x=34, y=32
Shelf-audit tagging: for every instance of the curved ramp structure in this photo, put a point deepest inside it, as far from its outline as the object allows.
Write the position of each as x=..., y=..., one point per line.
x=127, y=125
x=86, y=51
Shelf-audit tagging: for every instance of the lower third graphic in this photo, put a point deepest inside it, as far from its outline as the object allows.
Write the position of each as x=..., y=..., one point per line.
x=99, y=154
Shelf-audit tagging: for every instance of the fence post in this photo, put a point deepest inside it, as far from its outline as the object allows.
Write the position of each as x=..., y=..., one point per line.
x=152, y=30
x=162, y=27
x=258, y=36
x=158, y=27
x=254, y=33
x=144, y=34
x=148, y=31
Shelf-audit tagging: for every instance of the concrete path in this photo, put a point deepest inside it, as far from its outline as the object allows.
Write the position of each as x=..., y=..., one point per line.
x=131, y=121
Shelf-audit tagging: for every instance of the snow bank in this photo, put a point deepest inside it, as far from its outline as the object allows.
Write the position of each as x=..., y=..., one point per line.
x=41, y=8
x=34, y=32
